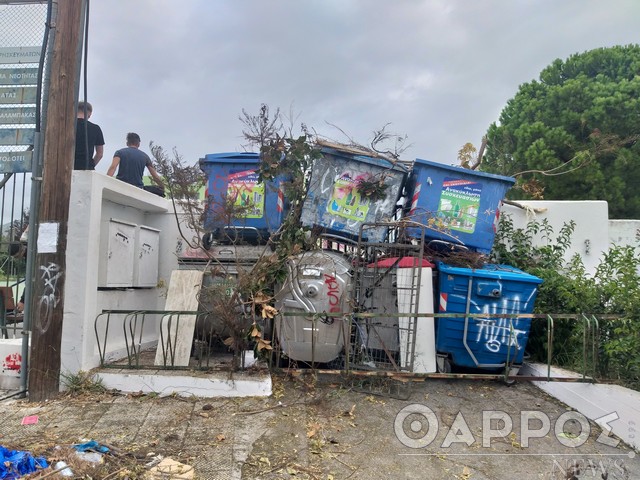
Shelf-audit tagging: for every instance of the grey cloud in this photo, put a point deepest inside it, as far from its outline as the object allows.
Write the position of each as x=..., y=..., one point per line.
x=438, y=71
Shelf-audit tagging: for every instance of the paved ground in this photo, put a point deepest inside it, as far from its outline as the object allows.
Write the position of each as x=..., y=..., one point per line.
x=329, y=429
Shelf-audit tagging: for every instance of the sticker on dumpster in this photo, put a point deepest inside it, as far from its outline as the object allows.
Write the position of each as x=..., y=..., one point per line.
x=346, y=201
x=459, y=204
x=247, y=193
x=443, y=302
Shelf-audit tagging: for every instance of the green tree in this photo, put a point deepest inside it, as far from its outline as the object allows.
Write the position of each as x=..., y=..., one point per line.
x=574, y=133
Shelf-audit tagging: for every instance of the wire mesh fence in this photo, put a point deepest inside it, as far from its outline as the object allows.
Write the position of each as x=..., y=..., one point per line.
x=23, y=26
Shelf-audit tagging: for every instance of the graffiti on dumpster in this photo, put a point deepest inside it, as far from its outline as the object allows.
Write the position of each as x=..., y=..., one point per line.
x=242, y=189
x=496, y=333
x=499, y=332
x=247, y=193
x=333, y=292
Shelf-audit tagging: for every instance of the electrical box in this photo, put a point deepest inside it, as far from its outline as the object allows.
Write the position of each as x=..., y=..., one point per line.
x=117, y=262
x=147, y=257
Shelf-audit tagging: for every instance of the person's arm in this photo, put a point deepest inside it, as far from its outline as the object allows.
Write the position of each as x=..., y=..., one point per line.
x=99, y=153
x=99, y=145
x=20, y=305
x=157, y=178
x=114, y=165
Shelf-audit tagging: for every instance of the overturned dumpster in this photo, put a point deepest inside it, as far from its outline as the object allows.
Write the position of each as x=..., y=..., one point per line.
x=347, y=190
x=458, y=205
x=241, y=208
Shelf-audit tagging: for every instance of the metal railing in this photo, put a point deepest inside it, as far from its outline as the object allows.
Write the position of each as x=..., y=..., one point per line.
x=361, y=359
x=158, y=339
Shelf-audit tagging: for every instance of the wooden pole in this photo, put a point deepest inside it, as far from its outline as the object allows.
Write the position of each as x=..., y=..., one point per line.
x=50, y=265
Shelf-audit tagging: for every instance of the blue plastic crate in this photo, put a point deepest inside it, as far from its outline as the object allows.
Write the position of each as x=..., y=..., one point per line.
x=494, y=289
x=457, y=204
x=334, y=203
x=258, y=208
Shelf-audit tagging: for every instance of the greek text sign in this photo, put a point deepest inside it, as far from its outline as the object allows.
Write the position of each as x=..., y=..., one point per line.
x=15, y=162
x=17, y=115
x=19, y=76
x=17, y=95
x=20, y=54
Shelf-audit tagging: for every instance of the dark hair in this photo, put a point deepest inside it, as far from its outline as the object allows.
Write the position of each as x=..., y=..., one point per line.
x=85, y=107
x=133, y=138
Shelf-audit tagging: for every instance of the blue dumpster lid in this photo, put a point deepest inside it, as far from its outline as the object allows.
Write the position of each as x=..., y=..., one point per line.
x=460, y=170
x=380, y=162
x=231, y=157
x=493, y=271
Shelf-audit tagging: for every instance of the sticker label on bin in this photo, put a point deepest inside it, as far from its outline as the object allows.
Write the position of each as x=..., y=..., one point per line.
x=247, y=193
x=346, y=201
x=459, y=204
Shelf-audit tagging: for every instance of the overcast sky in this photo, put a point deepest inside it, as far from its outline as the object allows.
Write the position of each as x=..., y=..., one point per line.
x=179, y=73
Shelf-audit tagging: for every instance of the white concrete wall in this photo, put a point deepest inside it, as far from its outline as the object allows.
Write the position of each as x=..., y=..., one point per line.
x=624, y=232
x=590, y=238
x=95, y=198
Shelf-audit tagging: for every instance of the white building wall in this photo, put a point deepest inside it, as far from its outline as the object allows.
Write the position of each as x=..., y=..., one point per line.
x=95, y=199
x=590, y=238
x=624, y=232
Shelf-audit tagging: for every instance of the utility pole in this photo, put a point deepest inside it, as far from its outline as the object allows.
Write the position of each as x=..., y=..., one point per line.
x=47, y=303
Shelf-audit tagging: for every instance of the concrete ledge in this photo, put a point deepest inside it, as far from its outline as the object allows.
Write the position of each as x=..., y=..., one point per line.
x=595, y=401
x=186, y=384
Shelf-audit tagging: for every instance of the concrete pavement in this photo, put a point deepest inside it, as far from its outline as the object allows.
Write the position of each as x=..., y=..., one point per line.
x=462, y=429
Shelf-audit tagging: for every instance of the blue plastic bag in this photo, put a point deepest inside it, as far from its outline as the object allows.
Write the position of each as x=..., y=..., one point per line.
x=15, y=463
x=91, y=445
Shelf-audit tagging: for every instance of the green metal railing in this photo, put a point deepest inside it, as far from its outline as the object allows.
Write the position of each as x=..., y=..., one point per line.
x=139, y=352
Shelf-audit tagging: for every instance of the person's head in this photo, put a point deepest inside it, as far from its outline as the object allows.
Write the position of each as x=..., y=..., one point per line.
x=84, y=109
x=133, y=139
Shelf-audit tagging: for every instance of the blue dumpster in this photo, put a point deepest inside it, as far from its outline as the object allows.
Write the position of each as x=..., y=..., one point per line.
x=458, y=205
x=335, y=202
x=491, y=342
x=239, y=207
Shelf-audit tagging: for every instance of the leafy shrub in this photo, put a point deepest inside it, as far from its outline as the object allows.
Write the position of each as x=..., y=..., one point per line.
x=613, y=290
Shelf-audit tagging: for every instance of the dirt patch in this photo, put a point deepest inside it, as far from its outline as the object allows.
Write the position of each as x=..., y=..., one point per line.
x=326, y=428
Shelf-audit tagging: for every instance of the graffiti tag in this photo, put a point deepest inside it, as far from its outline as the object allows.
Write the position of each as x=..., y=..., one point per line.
x=333, y=292
x=50, y=298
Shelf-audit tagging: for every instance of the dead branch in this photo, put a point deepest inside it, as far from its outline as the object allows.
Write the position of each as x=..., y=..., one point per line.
x=261, y=128
x=478, y=161
x=524, y=207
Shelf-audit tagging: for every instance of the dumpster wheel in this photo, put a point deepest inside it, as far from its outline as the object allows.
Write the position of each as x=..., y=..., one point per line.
x=509, y=382
x=512, y=371
x=443, y=364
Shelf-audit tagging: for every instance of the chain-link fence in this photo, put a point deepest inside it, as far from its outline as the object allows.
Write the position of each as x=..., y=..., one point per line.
x=23, y=26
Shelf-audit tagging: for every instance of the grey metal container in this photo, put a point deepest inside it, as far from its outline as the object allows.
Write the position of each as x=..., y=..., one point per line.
x=379, y=296
x=318, y=282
